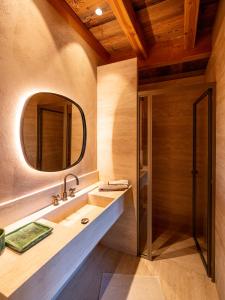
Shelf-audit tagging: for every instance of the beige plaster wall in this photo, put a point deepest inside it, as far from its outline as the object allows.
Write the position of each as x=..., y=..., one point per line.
x=117, y=143
x=216, y=73
x=40, y=52
x=172, y=120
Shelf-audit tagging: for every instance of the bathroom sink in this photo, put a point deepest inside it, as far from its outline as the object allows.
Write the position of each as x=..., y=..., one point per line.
x=87, y=206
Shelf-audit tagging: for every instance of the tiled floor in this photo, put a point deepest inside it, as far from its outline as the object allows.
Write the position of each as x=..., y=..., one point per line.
x=177, y=263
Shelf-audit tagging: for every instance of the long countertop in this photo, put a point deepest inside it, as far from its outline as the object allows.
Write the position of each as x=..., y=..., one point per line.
x=16, y=269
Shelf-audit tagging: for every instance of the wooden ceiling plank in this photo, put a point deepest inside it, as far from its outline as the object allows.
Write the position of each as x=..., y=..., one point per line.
x=191, y=12
x=126, y=17
x=173, y=52
x=74, y=21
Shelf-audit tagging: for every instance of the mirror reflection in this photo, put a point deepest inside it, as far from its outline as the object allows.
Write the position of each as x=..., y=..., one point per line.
x=53, y=132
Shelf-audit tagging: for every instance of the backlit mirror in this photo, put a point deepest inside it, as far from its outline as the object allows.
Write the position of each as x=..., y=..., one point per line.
x=53, y=132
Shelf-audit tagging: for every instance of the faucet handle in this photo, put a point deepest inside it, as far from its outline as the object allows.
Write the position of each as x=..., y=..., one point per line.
x=56, y=199
x=72, y=192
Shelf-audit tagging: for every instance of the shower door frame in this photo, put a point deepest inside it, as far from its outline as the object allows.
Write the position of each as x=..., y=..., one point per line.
x=149, y=192
x=210, y=264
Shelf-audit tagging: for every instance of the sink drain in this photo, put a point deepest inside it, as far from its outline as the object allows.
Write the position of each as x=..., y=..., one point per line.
x=84, y=221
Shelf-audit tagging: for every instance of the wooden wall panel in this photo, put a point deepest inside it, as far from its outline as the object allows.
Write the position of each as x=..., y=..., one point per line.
x=52, y=140
x=76, y=134
x=172, y=159
x=30, y=131
x=216, y=72
x=117, y=142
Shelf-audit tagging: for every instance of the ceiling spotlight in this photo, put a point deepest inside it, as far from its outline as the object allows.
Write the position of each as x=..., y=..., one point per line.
x=98, y=11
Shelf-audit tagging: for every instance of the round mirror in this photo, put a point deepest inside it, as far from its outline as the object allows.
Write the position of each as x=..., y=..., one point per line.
x=53, y=132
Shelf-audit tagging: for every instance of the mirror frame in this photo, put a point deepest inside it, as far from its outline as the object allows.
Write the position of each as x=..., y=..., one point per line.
x=83, y=149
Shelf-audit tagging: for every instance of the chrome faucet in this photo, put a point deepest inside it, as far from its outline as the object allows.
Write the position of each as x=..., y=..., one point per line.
x=64, y=198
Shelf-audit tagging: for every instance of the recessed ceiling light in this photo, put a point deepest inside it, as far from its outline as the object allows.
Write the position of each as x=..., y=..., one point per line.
x=98, y=11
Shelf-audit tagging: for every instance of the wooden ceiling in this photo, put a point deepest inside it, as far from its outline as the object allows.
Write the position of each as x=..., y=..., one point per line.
x=160, y=33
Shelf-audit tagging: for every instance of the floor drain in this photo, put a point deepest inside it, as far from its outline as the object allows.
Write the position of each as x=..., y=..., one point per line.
x=84, y=221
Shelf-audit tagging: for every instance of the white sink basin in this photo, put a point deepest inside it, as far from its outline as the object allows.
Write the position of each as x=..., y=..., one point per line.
x=87, y=206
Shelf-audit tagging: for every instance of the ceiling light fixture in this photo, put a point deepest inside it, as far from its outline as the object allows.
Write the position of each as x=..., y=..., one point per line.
x=98, y=11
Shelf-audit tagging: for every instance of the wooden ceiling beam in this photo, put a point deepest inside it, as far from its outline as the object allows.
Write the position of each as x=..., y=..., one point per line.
x=191, y=12
x=74, y=21
x=171, y=77
x=161, y=87
x=127, y=19
x=173, y=52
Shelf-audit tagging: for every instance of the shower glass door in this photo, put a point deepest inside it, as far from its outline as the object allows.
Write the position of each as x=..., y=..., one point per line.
x=202, y=177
